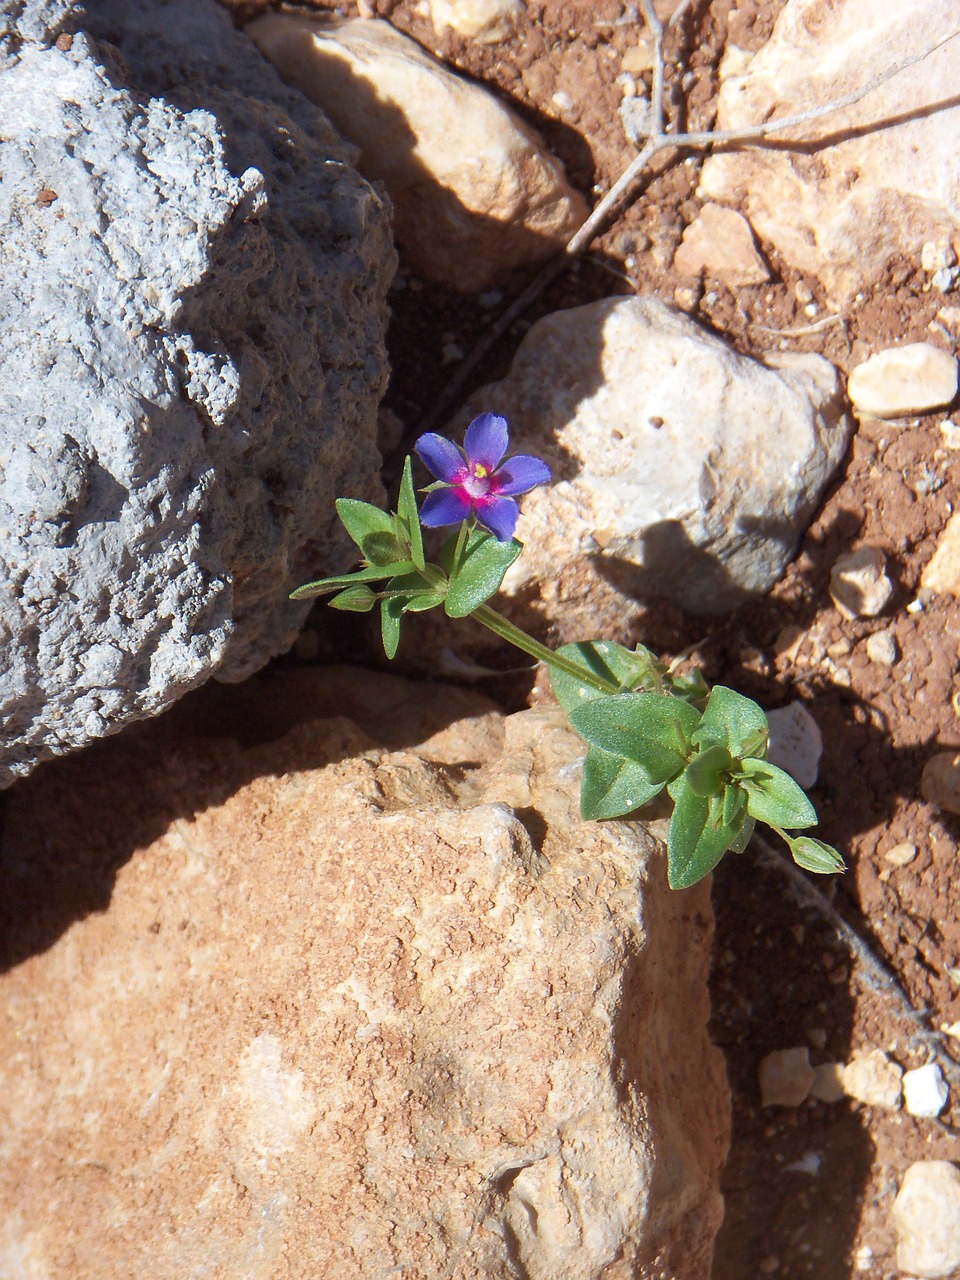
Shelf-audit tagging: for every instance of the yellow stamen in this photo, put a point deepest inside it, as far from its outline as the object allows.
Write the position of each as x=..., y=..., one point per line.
x=480, y=471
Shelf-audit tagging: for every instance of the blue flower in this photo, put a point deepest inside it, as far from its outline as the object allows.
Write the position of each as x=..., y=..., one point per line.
x=475, y=480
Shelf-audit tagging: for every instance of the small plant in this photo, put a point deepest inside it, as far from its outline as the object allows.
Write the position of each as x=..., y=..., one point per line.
x=646, y=727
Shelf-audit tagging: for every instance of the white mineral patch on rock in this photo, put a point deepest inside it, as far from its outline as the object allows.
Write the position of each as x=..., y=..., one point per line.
x=913, y=378
x=475, y=192
x=926, y=1213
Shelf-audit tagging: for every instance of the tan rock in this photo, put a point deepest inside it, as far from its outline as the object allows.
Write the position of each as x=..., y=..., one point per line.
x=839, y=213
x=882, y=647
x=940, y=781
x=475, y=193
x=859, y=585
x=828, y=1082
x=902, y=854
x=719, y=243
x=487, y=21
x=926, y=1214
x=657, y=490
x=942, y=572
x=321, y=1008
x=872, y=1078
x=913, y=378
x=786, y=1077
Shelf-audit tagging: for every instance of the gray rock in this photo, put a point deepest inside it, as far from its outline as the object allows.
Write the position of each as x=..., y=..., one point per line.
x=192, y=316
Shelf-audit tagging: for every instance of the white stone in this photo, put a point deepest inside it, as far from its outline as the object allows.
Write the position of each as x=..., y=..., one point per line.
x=940, y=781
x=828, y=1082
x=719, y=243
x=786, y=1077
x=859, y=585
x=796, y=743
x=925, y=1092
x=942, y=573
x=926, y=1214
x=842, y=211
x=913, y=378
x=487, y=21
x=872, y=1078
x=475, y=192
x=882, y=648
x=681, y=468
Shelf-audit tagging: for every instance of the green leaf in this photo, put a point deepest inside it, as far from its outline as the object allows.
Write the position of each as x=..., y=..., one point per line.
x=698, y=837
x=409, y=516
x=705, y=771
x=652, y=729
x=484, y=562
x=413, y=593
x=372, y=573
x=391, y=612
x=816, y=855
x=743, y=839
x=368, y=526
x=613, y=786
x=357, y=599
x=386, y=549
x=774, y=797
x=735, y=722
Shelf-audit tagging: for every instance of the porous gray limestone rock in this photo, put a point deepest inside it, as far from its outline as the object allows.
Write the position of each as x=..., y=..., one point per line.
x=681, y=468
x=367, y=999
x=192, y=312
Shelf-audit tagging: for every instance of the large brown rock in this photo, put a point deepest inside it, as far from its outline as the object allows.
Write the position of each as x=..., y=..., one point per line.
x=322, y=1007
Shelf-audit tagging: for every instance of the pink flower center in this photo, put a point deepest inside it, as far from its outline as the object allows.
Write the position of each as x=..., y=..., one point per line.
x=478, y=482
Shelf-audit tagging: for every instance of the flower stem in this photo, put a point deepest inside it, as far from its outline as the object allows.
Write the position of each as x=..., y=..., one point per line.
x=506, y=630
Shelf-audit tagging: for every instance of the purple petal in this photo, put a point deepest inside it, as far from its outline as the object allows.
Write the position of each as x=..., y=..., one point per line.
x=441, y=457
x=499, y=515
x=522, y=473
x=486, y=440
x=444, y=506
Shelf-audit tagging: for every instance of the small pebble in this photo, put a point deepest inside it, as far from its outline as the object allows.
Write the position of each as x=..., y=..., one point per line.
x=786, y=1078
x=934, y=256
x=913, y=378
x=803, y=293
x=942, y=573
x=882, y=648
x=808, y=1163
x=902, y=854
x=796, y=743
x=859, y=585
x=940, y=781
x=926, y=1214
x=925, y=1091
x=828, y=1082
x=872, y=1078
x=951, y=434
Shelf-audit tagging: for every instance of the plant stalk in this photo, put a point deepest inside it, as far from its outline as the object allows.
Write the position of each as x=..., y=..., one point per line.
x=506, y=630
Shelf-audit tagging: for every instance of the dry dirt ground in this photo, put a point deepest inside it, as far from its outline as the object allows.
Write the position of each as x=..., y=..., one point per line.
x=781, y=978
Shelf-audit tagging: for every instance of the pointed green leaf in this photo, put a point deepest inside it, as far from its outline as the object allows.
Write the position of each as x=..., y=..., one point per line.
x=698, y=839
x=816, y=855
x=612, y=786
x=735, y=722
x=362, y=520
x=774, y=797
x=746, y=831
x=391, y=612
x=484, y=562
x=630, y=669
x=357, y=599
x=324, y=585
x=409, y=516
x=652, y=729
x=705, y=772
x=386, y=549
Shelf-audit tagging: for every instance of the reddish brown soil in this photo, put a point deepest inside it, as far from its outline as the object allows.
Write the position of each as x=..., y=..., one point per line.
x=781, y=978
